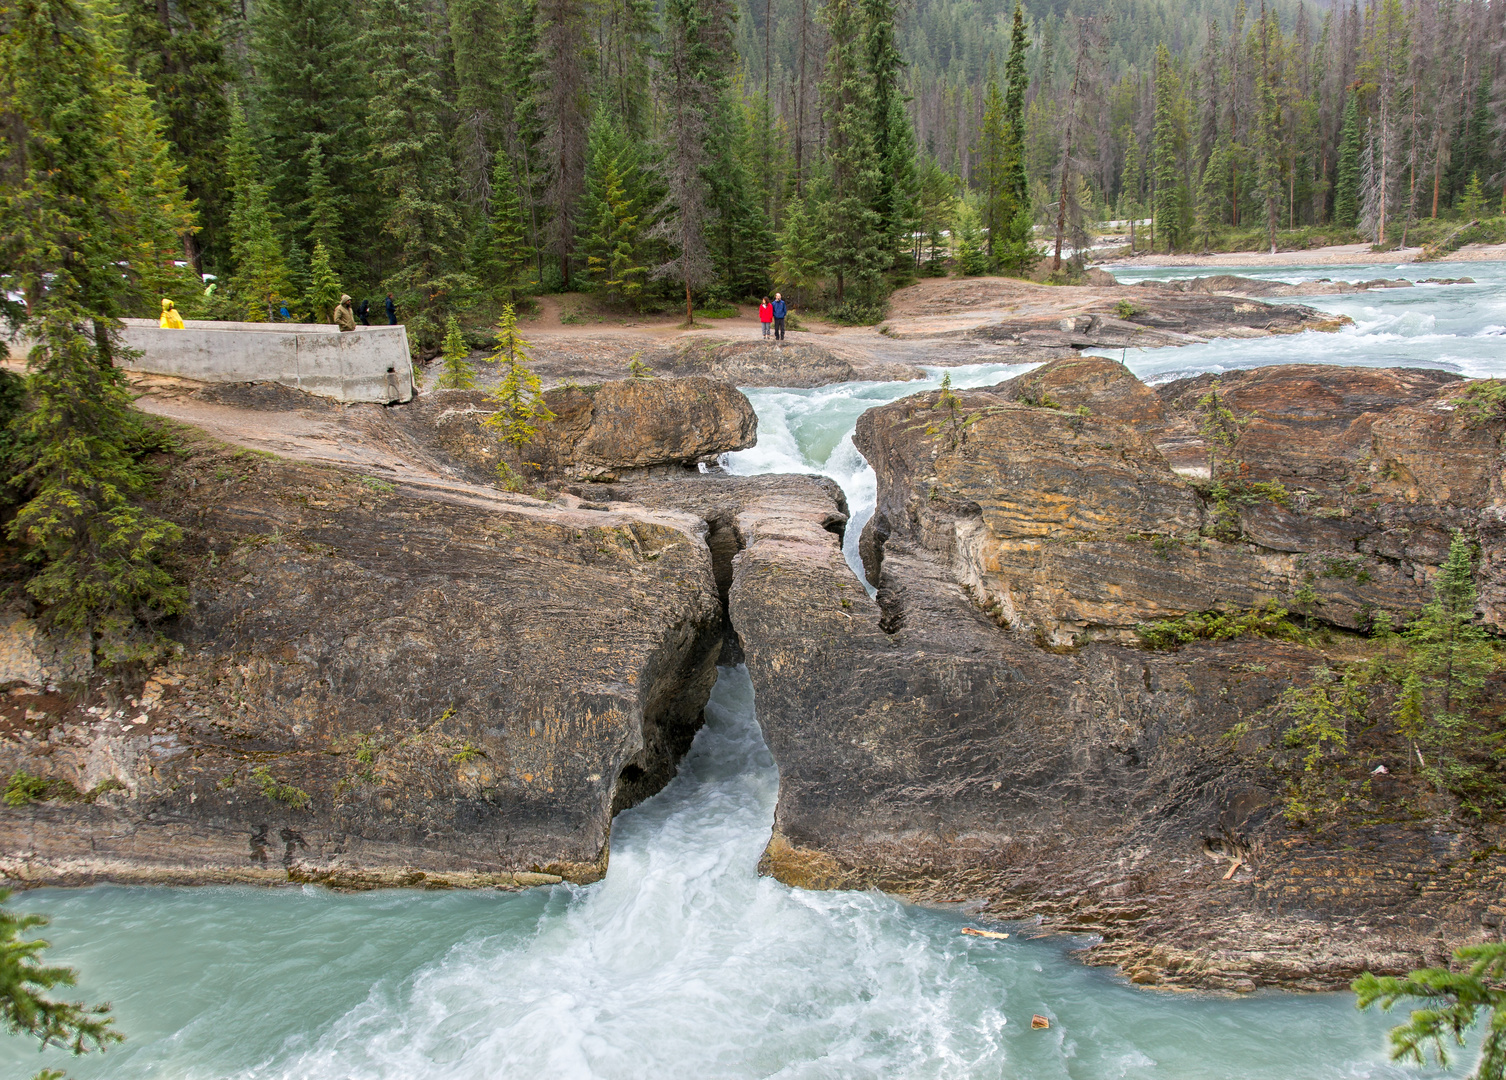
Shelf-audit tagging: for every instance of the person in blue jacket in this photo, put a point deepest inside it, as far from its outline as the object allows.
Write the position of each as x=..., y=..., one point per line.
x=391, y=310
x=781, y=310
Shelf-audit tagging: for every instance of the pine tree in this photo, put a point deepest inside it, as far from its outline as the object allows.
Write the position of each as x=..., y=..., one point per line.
x=1473, y=199
x=1346, y=192
x=415, y=170
x=324, y=287
x=456, y=372
x=799, y=265
x=522, y=126
x=322, y=219
x=891, y=134
x=259, y=280
x=937, y=205
x=564, y=108
x=1213, y=193
x=857, y=249
x=519, y=399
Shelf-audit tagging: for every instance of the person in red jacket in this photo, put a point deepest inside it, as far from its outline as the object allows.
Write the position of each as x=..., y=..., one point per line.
x=766, y=316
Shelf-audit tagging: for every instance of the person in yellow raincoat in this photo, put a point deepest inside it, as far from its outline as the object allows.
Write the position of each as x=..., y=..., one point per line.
x=170, y=320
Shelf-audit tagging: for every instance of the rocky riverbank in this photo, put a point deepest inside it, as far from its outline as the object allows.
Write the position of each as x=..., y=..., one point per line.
x=394, y=673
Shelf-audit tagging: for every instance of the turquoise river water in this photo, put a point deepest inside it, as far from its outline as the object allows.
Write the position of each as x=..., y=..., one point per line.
x=682, y=962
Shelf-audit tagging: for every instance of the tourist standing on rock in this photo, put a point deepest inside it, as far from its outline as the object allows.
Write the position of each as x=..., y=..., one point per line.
x=364, y=312
x=391, y=311
x=781, y=310
x=766, y=316
x=345, y=318
x=170, y=320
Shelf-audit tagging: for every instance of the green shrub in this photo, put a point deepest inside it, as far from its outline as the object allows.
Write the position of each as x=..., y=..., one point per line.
x=278, y=791
x=1482, y=402
x=857, y=313
x=1269, y=620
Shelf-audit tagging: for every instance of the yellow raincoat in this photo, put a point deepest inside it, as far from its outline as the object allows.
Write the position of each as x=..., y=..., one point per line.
x=170, y=320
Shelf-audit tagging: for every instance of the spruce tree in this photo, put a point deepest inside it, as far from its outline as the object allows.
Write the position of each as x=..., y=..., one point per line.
x=937, y=205
x=892, y=137
x=1165, y=152
x=259, y=278
x=799, y=265
x=522, y=125
x=179, y=53
x=504, y=261
x=520, y=401
x=993, y=161
x=1017, y=254
x=968, y=253
x=324, y=292
x=75, y=467
x=311, y=89
x=415, y=170
x=611, y=234
x=856, y=246
x=456, y=372
x=692, y=73
x=564, y=110
x=1346, y=192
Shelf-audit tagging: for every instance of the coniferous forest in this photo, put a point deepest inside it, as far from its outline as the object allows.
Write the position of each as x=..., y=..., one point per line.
x=464, y=153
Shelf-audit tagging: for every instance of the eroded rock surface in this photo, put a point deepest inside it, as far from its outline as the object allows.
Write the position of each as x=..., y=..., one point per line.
x=379, y=685
x=1058, y=498
x=929, y=748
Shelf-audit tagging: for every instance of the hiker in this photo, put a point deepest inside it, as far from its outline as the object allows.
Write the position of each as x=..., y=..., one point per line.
x=391, y=311
x=283, y=311
x=364, y=312
x=781, y=311
x=766, y=316
x=345, y=318
x=170, y=320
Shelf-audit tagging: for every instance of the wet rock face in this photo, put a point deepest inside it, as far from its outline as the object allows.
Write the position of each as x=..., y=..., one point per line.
x=1069, y=499
x=617, y=429
x=380, y=686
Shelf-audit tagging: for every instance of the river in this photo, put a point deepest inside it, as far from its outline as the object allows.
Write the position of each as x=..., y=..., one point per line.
x=682, y=962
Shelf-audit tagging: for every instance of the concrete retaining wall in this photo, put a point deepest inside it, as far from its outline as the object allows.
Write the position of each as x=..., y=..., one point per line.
x=370, y=363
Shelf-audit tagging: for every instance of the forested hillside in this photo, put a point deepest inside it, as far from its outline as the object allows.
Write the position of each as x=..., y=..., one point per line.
x=463, y=153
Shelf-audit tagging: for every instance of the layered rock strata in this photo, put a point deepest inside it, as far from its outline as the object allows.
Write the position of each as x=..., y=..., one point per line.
x=1074, y=502
x=929, y=748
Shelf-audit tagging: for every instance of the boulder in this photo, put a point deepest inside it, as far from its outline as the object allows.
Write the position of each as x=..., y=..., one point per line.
x=615, y=429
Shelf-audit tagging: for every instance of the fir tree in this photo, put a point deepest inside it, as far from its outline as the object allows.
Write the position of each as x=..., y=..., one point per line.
x=324, y=288
x=179, y=53
x=1346, y=192
x=1213, y=193
x=1017, y=253
x=1454, y=997
x=564, y=108
x=519, y=399
x=893, y=139
x=1473, y=199
x=968, y=254
x=456, y=372
x=322, y=218
x=937, y=204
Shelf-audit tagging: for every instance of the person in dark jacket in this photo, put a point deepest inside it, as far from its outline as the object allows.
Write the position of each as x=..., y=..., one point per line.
x=781, y=312
x=391, y=311
x=364, y=312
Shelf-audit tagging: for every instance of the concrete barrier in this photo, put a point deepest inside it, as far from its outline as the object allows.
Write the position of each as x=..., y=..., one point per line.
x=370, y=363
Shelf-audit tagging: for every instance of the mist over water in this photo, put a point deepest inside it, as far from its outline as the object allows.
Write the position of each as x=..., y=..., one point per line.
x=682, y=962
